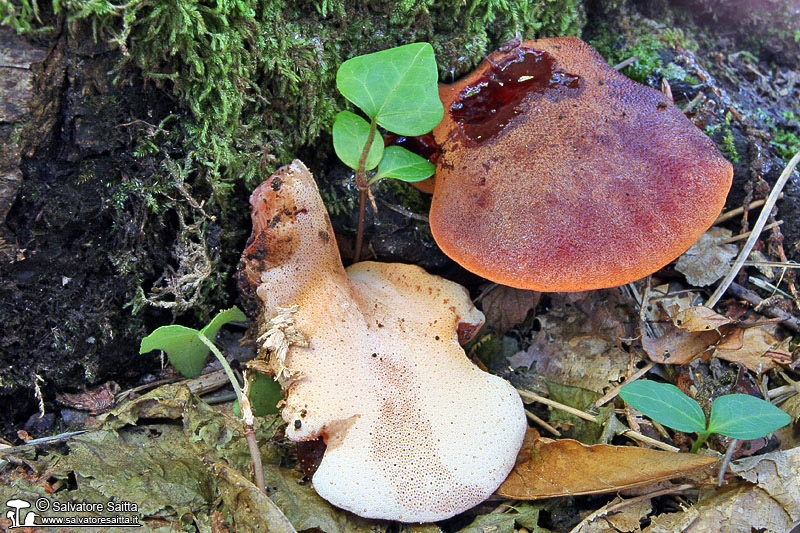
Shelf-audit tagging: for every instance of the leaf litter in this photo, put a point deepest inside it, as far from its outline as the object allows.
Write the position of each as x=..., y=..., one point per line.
x=578, y=350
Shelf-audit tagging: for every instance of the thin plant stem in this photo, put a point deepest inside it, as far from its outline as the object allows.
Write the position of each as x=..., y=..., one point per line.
x=225, y=366
x=246, y=412
x=363, y=186
x=701, y=439
x=755, y=232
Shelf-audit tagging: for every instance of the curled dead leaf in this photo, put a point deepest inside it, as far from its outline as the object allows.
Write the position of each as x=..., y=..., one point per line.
x=757, y=348
x=505, y=307
x=548, y=468
x=679, y=346
x=699, y=318
x=706, y=261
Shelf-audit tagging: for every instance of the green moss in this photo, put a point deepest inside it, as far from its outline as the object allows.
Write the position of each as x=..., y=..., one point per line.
x=785, y=142
x=644, y=39
x=254, y=86
x=729, y=147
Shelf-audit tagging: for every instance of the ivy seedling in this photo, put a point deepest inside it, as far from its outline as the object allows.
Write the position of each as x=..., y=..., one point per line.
x=398, y=90
x=187, y=350
x=739, y=416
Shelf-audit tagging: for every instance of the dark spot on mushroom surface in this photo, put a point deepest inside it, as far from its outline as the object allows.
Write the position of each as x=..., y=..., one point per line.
x=422, y=145
x=276, y=184
x=324, y=237
x=298, y=424
x=485, y=107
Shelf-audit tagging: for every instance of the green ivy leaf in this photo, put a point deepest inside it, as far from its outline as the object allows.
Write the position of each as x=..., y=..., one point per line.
x=666, y=404
x=350, y=133
x=396, y=87
x=403, y=165
x=185, y=350
x=265, y=393
x=234, y=314
x=745, y=417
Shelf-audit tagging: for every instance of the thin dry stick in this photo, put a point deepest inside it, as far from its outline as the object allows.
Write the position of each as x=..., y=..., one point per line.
x=635, y=435
x=740, y=210
x=405, y=212
x=542, y=423
x=755, y=300
x=531, y=397
x=746, y=234
x=610, y=395
x=629, y=61
x=776, y=264
x=783, y=389
x=759, y=225
x=616, y=507
x=726, y=461
x=691, y=105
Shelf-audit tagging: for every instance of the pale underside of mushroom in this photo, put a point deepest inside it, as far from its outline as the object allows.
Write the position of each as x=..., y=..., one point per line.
x=414, y=431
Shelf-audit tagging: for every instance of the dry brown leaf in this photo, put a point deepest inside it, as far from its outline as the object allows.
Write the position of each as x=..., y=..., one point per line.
x=706, y=262
x=767, y=499
x=672, y=522
x=678, y=346
x=629, y=518
x=566, y=467
x=777, y=473
x=665, y=304
x=752, y=347
x=96, y=401
x=739, y=507
x=567, y=350
x=505, y=307
x=699, y=318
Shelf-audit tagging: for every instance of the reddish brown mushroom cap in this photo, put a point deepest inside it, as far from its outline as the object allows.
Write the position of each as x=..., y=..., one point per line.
x=557, y=173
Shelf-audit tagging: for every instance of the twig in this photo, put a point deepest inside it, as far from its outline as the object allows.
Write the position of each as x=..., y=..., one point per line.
x=610, y=395
x=691, y=105
x=767, y=286
x=405, y=212
x=755, y=300
x=485, y=291
x=740, y=210
x=531, y=397
x=617, y=506
x=635, y=435
x=780, y=391
x=44, y=440
x=747, y=234
x=757, y=227
x=629, y=61
x=542, y=423
x=220, y=398
x=726, y=461
x=775, y=264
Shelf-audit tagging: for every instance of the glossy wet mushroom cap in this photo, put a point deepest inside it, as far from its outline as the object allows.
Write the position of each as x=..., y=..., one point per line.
x=557, y=173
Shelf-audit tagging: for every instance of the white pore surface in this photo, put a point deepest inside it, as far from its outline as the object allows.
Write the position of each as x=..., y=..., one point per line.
x=415, y=432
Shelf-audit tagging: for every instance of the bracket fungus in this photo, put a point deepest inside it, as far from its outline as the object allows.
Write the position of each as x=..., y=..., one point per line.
x=557, y=173
x=414, y=431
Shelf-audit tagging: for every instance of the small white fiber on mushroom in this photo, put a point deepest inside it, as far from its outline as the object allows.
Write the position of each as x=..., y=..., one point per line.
x=414, y=431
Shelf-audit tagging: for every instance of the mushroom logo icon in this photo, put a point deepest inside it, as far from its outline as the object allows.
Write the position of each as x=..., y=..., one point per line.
x=14, y=516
